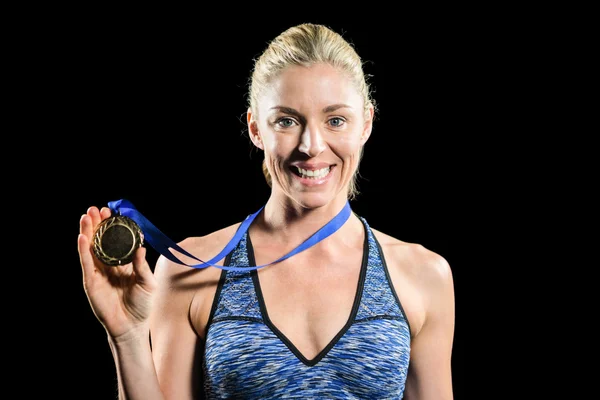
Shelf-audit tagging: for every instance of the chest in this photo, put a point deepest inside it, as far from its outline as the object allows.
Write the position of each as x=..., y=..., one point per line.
x=245, y=360
x=309, y=299
x=326, y=322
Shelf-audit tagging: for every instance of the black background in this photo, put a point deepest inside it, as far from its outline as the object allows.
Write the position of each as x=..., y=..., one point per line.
x=148, y=105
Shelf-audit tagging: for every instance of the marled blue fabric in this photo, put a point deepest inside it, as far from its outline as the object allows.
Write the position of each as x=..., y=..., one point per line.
x=246, y=359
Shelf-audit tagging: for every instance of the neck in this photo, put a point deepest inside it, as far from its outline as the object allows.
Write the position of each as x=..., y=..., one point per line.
x=291, y=221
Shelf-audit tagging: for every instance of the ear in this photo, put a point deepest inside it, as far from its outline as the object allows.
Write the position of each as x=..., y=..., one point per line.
x=253, y=130
x=368, y=127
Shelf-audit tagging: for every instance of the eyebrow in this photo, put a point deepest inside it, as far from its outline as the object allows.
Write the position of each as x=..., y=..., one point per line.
x=328, y=109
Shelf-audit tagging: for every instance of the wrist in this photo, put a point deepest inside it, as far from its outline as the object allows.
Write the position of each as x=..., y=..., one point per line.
x=139, y=335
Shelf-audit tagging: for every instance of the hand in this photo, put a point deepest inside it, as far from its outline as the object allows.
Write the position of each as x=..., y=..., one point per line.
x=120, y=296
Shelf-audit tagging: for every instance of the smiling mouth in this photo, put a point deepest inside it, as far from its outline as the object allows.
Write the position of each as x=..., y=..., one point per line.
x=311, y=174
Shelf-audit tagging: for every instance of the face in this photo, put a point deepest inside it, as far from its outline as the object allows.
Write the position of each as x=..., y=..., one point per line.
x=311, y=125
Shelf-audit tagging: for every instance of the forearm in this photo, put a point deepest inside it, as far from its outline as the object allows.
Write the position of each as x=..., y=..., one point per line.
x=136, y=374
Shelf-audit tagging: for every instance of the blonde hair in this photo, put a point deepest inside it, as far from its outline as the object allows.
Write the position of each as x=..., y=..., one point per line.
x=304, y=45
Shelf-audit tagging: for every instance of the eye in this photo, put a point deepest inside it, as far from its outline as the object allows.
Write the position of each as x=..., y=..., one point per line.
x=336, y=122
x=286, y=122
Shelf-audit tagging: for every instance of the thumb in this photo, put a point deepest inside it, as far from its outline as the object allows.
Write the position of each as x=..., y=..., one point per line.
x=141, y=267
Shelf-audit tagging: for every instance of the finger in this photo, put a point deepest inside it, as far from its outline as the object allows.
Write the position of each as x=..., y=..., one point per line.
x=105, y=213
x=141, y=267
x=86, y=257
x=94, y=214
x=85, y=226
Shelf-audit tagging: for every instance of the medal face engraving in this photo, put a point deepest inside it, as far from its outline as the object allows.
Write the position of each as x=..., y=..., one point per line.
x=116, y=239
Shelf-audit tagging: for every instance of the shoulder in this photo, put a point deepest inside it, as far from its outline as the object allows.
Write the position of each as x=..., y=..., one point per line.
x=414, y=259
x=183, y=293
x=423, y=279
x=173, y=275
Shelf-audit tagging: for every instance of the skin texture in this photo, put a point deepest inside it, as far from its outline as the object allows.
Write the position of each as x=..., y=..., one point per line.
x=311, y=117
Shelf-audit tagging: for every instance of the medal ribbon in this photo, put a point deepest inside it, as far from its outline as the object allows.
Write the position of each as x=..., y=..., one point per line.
x=161, y=243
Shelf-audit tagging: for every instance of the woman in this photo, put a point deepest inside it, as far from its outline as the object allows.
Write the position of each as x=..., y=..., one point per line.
x=358, y=315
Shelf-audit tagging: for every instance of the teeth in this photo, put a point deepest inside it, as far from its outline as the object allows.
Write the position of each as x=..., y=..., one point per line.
x=319, y=173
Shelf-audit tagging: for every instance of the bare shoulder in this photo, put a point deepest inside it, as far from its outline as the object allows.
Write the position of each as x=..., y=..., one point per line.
x=415, y=260
x=172, y=275
x=184, y=293
x=421, y=278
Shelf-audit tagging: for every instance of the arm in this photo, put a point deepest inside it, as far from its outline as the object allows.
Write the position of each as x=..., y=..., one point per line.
x=181, y=309
x=429, y=375
x=176, y=348
x=136, y=376
x=146, y=317
x=121, y=299
x=159, y=361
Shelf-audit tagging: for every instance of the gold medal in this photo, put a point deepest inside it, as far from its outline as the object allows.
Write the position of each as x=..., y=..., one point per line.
x=116, y=239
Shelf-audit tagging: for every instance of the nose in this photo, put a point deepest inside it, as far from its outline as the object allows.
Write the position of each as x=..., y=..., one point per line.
x=311, y=141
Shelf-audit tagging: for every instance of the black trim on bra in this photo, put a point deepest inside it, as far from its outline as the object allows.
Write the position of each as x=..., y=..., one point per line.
x=390, y=283
x=217, y=297
x=280, y=335
x=239, y=318
x=378, y=317
x=218, y=292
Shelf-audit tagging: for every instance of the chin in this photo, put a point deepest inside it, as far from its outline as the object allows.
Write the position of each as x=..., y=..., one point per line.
x=314, y=200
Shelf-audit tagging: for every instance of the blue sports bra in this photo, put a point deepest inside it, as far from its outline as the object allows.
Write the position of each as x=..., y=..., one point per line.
x=247, y=357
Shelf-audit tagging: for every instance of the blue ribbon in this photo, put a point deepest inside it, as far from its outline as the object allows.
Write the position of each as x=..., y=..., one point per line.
x=161, y=243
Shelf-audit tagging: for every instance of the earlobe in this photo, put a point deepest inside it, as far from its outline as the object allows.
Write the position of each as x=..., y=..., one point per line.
x=255, y=136
x=368, y=126
x=365, y=136
x=253, y=130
